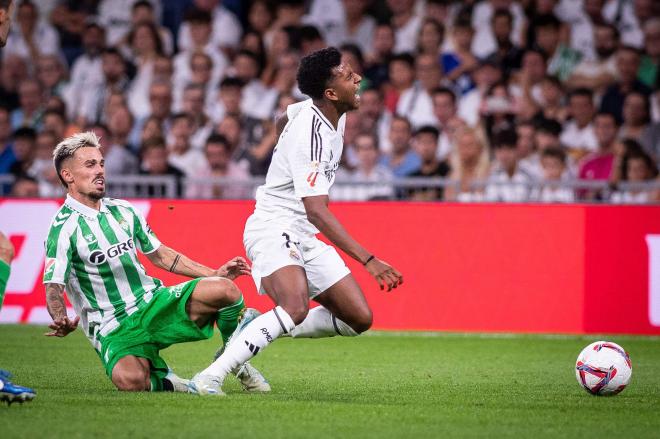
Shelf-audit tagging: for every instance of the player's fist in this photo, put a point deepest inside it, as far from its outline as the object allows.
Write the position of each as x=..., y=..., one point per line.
x=384, y=273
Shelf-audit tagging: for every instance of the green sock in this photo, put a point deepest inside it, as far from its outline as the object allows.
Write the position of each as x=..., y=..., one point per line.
x=4, y=277
x=228, y=319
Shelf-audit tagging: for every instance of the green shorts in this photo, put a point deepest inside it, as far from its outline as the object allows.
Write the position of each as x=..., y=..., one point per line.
x=161, y=323
x=4, y=277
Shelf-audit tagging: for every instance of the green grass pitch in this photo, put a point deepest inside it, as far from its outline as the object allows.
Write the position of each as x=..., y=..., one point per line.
x=381, y=385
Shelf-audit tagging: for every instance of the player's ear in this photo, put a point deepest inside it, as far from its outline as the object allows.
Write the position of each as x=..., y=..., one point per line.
x=66, y=175
x=330, y=94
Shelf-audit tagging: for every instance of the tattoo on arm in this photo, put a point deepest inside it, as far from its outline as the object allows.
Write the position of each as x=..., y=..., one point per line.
x=55, y=301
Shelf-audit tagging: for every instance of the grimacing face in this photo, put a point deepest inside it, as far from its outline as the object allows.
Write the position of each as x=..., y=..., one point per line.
x=346, y=84
x=85, y=173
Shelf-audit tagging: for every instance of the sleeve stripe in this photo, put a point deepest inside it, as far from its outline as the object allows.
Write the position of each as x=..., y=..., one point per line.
x=312, y=140
x=319, y=146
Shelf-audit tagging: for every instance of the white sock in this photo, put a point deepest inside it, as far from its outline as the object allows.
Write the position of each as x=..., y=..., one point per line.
x=320, y=323
x=258, y=334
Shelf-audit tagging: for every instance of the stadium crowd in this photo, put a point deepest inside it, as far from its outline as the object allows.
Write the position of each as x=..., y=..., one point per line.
x=501, y=100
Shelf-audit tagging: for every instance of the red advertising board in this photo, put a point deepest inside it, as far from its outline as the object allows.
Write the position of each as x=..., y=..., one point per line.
x=486, y=268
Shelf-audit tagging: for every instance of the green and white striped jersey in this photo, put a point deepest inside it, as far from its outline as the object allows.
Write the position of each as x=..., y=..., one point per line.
x=94, y=254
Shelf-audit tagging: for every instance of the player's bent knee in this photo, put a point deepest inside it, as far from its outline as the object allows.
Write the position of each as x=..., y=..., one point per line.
x=6, y=251
x=297, y=310
x=362, y=322
x=131, y=380
x=229, y=290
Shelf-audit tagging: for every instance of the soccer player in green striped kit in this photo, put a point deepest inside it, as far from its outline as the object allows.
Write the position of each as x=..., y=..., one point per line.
x=128, y=316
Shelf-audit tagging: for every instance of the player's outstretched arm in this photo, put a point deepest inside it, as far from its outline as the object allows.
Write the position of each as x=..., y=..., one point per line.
x=178, y=263
x=328, y=224
x=61, y=325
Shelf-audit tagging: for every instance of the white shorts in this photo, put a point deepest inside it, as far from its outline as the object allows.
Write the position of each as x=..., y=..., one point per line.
x=271, y=246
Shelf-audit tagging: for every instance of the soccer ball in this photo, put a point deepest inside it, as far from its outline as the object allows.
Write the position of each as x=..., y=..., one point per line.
x=603, y=368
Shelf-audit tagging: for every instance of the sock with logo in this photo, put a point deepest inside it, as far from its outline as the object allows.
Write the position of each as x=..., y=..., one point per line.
x=228, y=319
x=321, y=323
x=258, y=334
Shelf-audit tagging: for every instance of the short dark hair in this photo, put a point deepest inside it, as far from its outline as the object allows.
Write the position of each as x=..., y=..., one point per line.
x=231, y=82
x=405, y=57
x=582, y=91
x=142, y=4
x=182, y=115
x=556, y=153
x=315, y=71
x=309, y=33
x=502, y=12
x=195, y=15
x=638, y=154
x=463, y=22
x=371, y=135
x=354, y=50
x=4, y=4
x=218, y=138
x=25, y=133
x=607, y=114
x=428, y=129
x=403, y=119
x=55, y=113
x=549, y=126
x=156, y=142
x=444, y=91
x=507, y=138
x=547, y=20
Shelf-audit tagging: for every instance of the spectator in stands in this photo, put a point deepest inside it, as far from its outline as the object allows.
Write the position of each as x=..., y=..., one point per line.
x=583, y=26
x=42, y=168
x=115, y=79
x=25, y=187
x=526, y=84
x=24, y=148
x=229, y=99
x=561, y=58
x=525, y=146
x=415, y=103
x=217, y=152
x=261, y=14
x=310, y=39
x=116, y=17
x=600, y=164
x=346, y=23
x=599, y=71
x=628, y=60
x=372, y=108
x=368, y=170
x=193, y=104
x=482, y=18
x=225, y=26
x=637, y=167
x=198, y=23
x=630, y=18
x=578, y=133
x=119, y=159
x=87, y=69
x=152, y=128
x=31, y=106
x=485, y=77
x=425, y=143
x=498, y=110
x=378, y=59
x=70, y=18
x=284, y=80
x=650, y=64
x=507, y=182
x=553, y=162
x=14, y=70
x=143, y=12
x=430, y=39
x=31, y=37
x=402, y=160
x=546, y=136
x=406, y=24
x=155, y=163
x=554, y=107
x=507, y=56
x=181, y=154
x=636, y=118
x=444, y=110
x=459, y=64
x=401, y=79
x=7, y=156
x=50, y=72
x=55, y=122
x=258, y=100
x=469, y=164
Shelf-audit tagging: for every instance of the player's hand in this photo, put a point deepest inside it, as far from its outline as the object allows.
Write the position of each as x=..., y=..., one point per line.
x=385, y=274
x=234, y=268
x=62, y=327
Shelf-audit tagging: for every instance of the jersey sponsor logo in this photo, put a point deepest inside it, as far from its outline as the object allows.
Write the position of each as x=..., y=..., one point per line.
x=97, y=257
x=49, y=266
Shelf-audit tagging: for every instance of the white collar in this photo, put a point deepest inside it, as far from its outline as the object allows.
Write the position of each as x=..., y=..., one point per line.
x=85, y=210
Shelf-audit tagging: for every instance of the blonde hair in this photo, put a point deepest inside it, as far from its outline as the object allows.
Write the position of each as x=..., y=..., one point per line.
x=483, y=164
x=68, y=147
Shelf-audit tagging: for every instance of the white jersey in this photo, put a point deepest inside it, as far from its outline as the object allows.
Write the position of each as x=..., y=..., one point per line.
x=304, y=164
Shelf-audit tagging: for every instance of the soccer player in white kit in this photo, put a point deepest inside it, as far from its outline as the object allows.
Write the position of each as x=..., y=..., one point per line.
x=288, y=262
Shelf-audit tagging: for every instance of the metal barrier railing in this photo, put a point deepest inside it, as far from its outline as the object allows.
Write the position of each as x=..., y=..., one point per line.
x=144, y=186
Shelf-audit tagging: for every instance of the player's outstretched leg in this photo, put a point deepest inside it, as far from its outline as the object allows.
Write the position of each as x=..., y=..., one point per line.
x=11, y=392
x=288, y=289
x=228, y=321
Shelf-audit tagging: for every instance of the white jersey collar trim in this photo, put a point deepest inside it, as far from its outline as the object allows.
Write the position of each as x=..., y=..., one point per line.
x=85, y=210
x=318, y=111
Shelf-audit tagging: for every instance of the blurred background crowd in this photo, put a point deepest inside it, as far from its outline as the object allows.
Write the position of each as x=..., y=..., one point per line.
x=496, y=100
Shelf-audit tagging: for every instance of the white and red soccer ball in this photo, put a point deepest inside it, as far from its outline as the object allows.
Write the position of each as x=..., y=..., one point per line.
x=603, y=368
